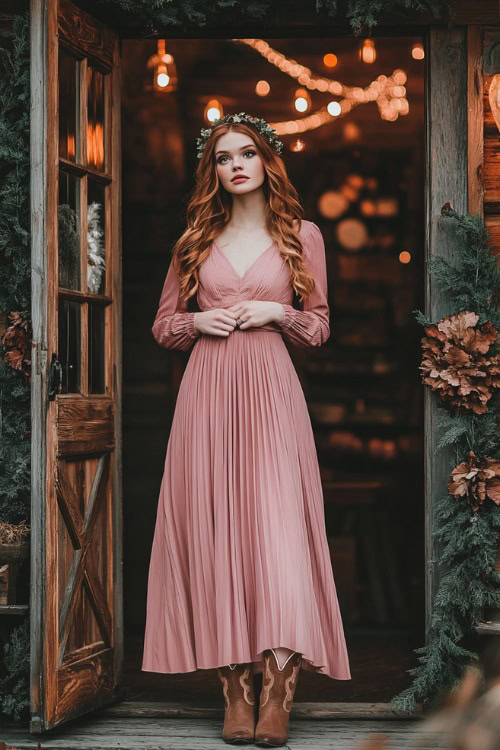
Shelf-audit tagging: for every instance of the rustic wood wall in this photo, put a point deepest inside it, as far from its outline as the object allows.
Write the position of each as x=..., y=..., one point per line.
x=487, y=143
x=484, y=154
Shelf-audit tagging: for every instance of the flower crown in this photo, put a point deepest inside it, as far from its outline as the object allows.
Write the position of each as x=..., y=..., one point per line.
x=261, y=125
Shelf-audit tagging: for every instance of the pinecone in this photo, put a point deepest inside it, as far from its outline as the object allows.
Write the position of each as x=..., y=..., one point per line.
x=476, y=480
x=455, y=362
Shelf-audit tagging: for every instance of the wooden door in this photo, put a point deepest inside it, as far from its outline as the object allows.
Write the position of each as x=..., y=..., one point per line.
x=76, y=607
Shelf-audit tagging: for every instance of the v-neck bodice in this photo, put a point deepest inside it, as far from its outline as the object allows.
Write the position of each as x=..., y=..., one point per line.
x=217, y=246
x=268, y=279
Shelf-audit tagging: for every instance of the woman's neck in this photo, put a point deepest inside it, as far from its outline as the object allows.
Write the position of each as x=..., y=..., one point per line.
x=248, y=210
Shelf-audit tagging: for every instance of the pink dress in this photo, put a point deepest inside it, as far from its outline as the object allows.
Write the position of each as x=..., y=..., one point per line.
x=240, y=559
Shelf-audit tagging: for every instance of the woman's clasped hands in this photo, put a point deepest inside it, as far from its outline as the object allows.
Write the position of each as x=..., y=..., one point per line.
x=221, y=321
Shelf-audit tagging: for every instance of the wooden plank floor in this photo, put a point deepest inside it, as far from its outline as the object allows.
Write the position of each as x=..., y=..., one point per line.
x=379, y=664
x=108, y=732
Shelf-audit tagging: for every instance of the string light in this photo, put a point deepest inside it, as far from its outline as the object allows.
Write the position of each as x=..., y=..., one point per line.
x=334, y=109
x=262, y=88
x=302, y=100
x=390, y=107
x=387, y=91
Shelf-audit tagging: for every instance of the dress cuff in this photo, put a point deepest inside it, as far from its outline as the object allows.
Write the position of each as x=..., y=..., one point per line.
x=192, y=330
x=290, y=311
x=183, y=325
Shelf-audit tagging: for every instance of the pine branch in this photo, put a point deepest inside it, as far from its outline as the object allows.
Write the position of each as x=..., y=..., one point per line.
x=468, y=582
x=363, y=15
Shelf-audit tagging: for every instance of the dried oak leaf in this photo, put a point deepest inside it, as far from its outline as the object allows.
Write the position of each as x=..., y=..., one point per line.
x=475, y=480
x=17, y=343
x=455, y=361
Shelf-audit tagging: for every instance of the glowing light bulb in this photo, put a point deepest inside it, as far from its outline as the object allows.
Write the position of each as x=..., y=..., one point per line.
x=262, y=88
x=162, y=79
x=330, y=60
x=334, y=109
x=301, y=104
x=213, y=110
x=368, y=53
x=417, y=51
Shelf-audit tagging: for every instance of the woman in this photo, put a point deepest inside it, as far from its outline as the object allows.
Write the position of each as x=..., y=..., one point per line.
x=240, y=576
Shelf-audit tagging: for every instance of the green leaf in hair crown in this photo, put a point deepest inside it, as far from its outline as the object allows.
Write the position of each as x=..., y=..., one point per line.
x=261, y=125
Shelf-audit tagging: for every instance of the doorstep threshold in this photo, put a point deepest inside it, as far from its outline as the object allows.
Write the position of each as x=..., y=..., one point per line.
x=300, y=710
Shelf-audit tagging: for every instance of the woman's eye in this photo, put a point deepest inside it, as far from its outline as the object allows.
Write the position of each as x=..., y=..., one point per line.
x=244, y=154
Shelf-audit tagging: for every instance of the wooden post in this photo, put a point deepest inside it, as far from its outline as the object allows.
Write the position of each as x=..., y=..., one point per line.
x=446, y=181
x=43, y=20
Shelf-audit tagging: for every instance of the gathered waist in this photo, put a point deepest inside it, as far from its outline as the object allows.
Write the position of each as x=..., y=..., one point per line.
x=268, y=327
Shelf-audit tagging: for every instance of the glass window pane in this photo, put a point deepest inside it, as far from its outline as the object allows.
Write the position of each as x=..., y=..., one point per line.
x=68, y=235
x=96, y=237
x=95, y=133
x=69, y=106
x=69, y=345
x=96, y=348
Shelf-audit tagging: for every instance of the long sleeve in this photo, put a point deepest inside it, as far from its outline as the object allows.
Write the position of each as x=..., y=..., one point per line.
x=173, y=327
x=310, y=326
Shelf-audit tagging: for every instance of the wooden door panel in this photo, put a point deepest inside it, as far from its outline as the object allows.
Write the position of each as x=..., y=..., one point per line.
x=85, y=426
x=77, y=628
x=80, y=569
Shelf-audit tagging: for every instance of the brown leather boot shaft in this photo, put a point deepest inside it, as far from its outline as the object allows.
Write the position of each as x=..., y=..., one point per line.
x=276, y=698
x=239, y=696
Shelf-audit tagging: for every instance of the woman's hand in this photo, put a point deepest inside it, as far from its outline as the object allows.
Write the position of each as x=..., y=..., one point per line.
x=255, y=313
x=216, y=322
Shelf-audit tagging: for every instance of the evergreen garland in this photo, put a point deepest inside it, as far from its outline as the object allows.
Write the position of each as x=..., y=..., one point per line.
x=15, y=264
x=15, y=685
x=469, y=539
x=15, y=295
x=363, y=15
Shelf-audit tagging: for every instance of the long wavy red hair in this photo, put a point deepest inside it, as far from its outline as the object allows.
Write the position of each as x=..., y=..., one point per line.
x=209, y=210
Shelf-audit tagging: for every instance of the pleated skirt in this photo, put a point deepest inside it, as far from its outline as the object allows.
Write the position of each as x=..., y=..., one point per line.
x=240, y=560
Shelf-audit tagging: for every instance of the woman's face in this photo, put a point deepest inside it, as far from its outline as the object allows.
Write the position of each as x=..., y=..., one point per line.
x=236, y=155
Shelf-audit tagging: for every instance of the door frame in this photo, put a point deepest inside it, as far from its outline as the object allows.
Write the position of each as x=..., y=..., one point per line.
x=447, y=119
x=446, y=143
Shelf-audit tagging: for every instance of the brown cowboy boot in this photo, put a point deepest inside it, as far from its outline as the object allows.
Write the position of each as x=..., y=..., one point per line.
x=276, y=698
x=239, y=715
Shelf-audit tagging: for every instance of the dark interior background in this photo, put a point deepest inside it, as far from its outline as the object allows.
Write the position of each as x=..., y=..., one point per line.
x=362, y=387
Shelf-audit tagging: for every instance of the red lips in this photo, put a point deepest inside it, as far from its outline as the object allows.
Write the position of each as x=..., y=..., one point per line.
x=239, y=177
